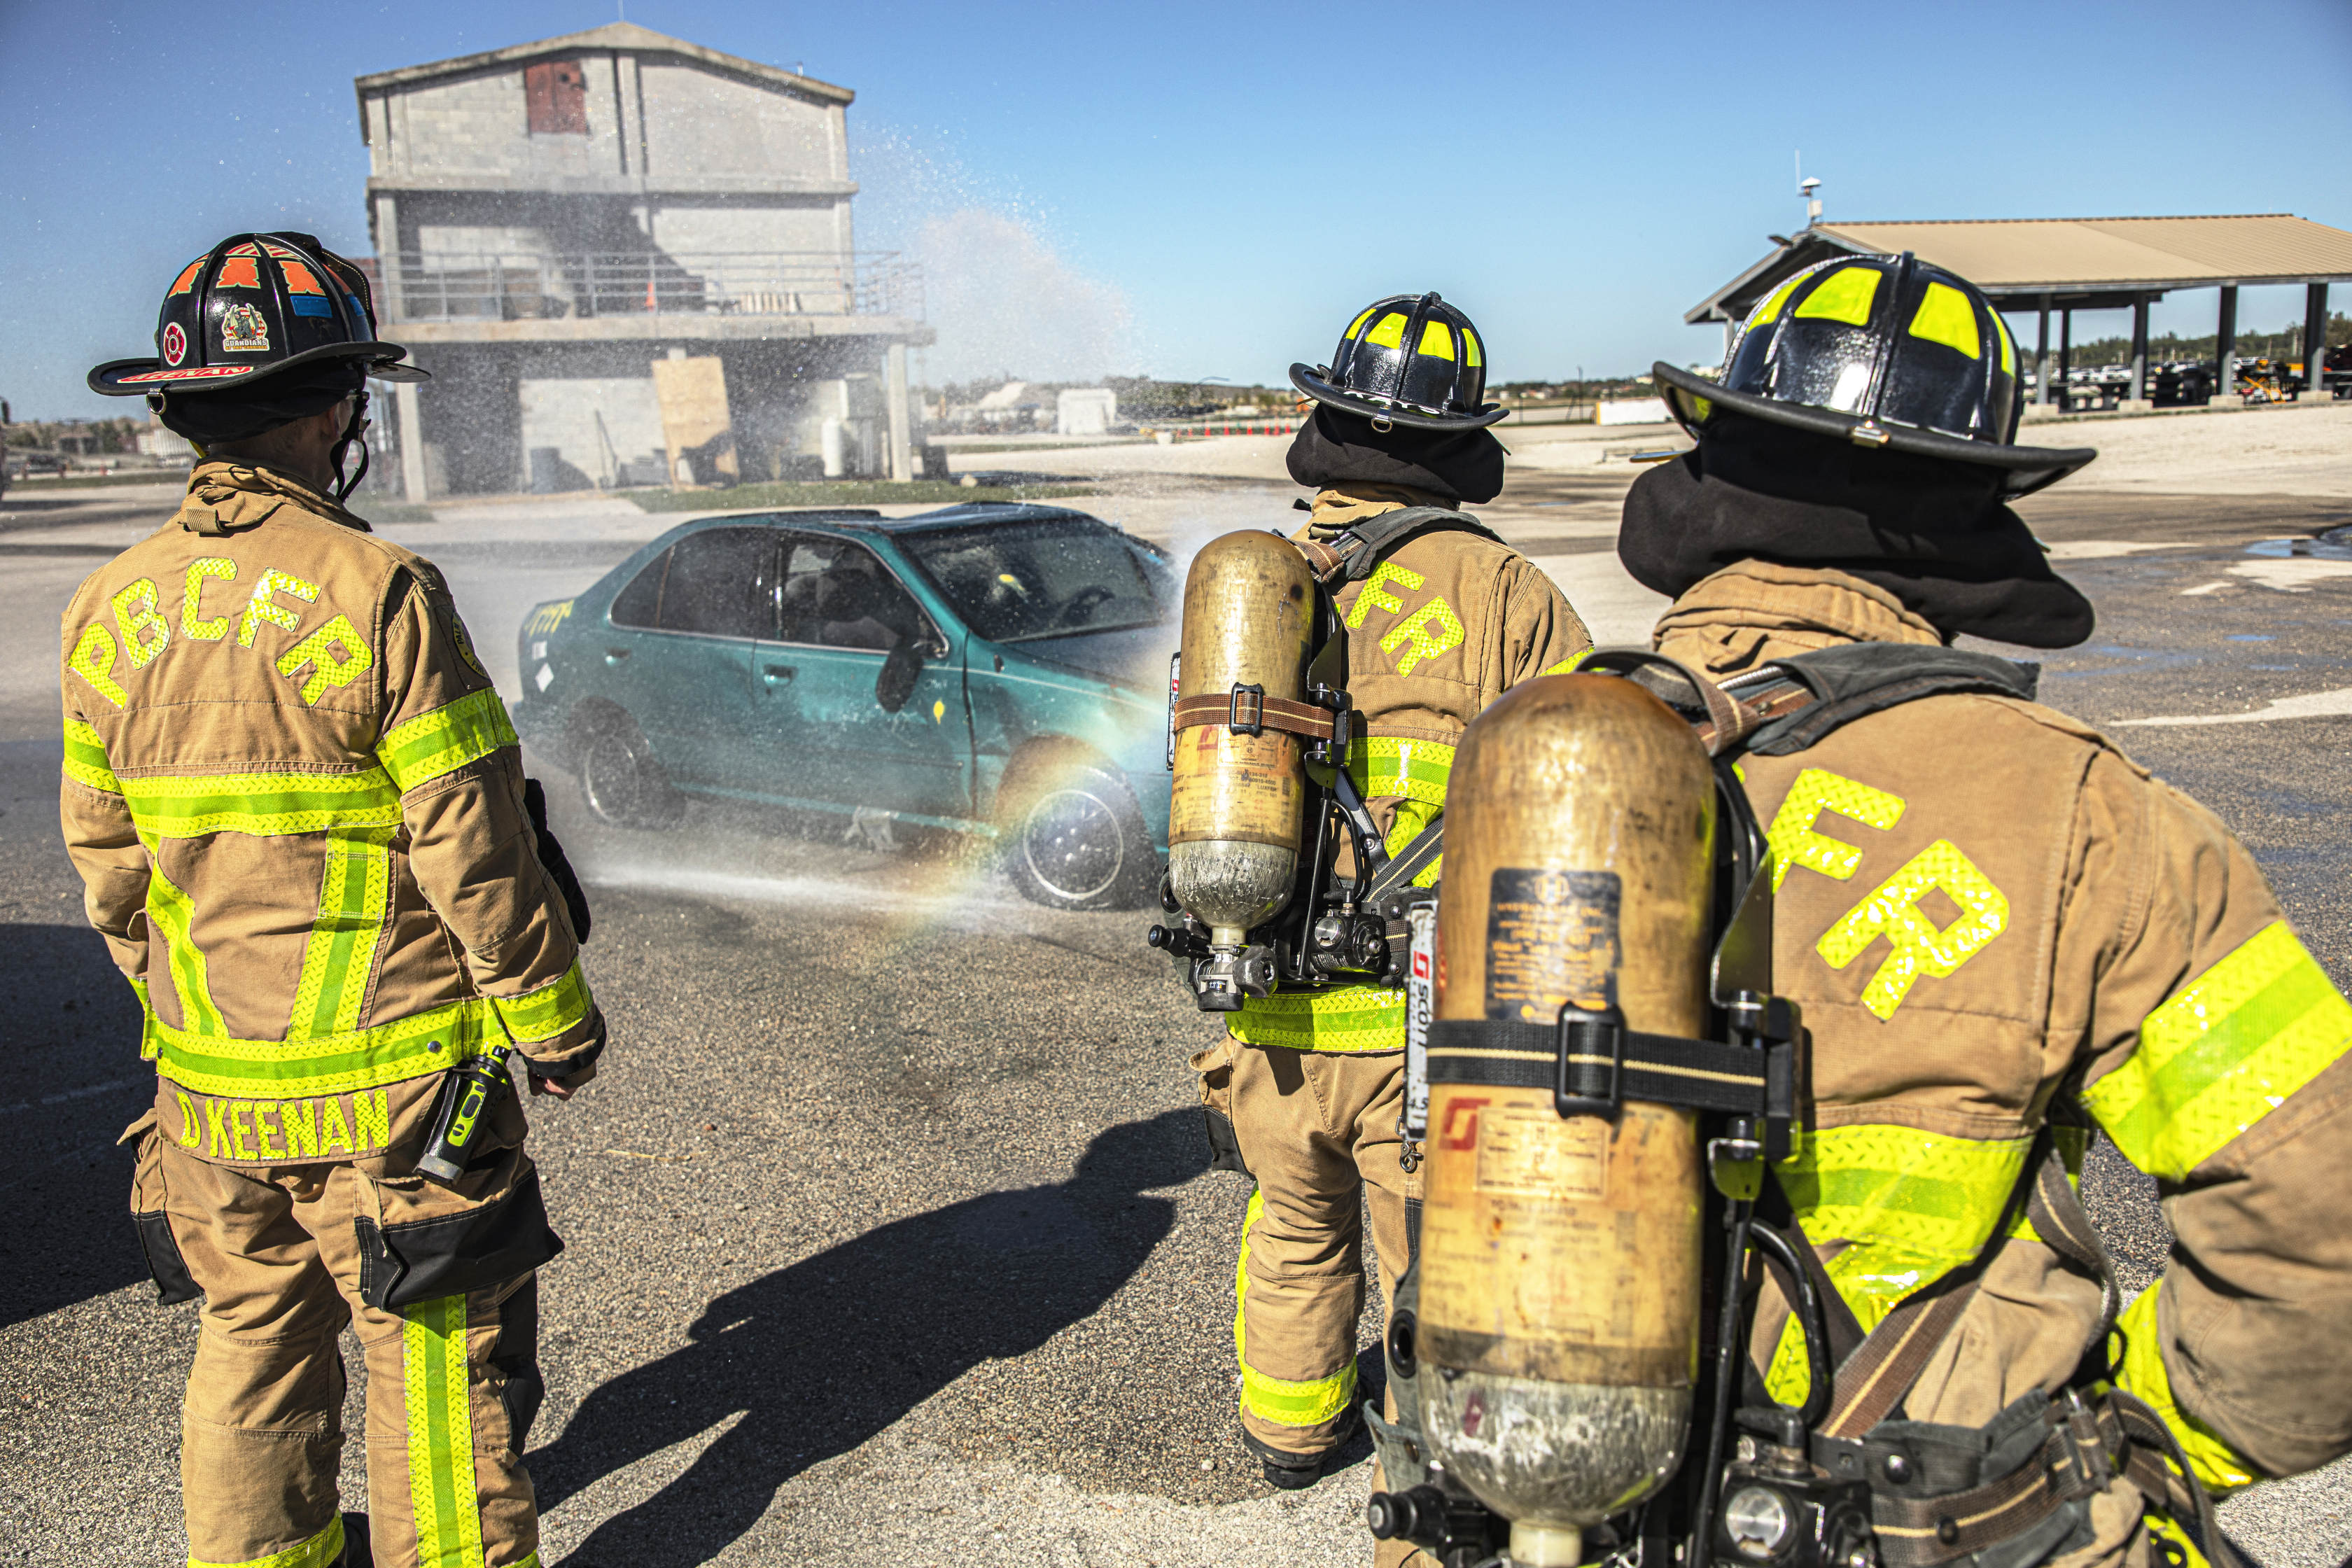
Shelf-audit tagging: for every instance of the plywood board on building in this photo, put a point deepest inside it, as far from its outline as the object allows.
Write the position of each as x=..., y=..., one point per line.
x=693, y=393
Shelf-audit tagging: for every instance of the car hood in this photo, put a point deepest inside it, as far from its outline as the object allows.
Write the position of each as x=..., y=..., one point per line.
x=1136, y=657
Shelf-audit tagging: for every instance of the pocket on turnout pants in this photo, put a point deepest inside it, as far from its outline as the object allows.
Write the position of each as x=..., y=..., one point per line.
x=149, y=1215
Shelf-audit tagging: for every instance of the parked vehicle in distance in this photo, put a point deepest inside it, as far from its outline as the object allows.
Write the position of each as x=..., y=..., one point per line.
x=992, y=670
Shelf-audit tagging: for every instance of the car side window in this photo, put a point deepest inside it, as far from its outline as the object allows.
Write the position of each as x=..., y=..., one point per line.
x=840, y=594
x=639, y=603
x=722, y=584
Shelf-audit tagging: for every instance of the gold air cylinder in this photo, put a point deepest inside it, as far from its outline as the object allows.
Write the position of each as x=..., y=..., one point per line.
x=1559, y=1256
x=1239, y=801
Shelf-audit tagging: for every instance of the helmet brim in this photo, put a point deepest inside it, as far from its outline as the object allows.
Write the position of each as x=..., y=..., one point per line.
x=1692, y=399
x=1307, y=379
x=137, y=377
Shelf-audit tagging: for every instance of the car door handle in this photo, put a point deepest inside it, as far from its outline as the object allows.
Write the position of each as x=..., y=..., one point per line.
x=616, y=655
x=776, y=672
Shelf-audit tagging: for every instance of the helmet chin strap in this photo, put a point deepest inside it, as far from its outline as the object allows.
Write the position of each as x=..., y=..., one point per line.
x=350, y=439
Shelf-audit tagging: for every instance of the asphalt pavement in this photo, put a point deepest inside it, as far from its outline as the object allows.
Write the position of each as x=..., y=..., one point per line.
x=888, y=1239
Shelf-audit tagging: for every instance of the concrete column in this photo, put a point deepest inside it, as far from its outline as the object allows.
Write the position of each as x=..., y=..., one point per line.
x=2314, y=340
x=2041, y=354
x=406, y=402
x=2139, y=349
x=2065, y=355
x=387, y=255
x=2225, y=345
x=902, y=458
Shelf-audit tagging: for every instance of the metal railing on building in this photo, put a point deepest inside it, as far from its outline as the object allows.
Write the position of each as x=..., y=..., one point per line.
x=450, y=286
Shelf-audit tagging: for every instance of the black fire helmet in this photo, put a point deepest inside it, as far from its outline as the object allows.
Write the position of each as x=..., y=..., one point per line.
x=1884, y=351
x=1406, y=360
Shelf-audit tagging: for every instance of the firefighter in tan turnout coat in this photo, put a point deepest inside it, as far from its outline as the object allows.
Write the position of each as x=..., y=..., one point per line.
x=298, y=806
x=1995, y=921
x=1444, y=621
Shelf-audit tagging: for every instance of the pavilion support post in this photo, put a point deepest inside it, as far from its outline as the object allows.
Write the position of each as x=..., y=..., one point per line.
x=2042, y=355
x=2065, y=357
x=2225, y=345
x=2314, y=340
x=2139, y=349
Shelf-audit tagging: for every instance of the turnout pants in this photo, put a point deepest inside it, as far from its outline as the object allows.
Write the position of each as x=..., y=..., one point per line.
x=1318, y=1131
x=281, y=1255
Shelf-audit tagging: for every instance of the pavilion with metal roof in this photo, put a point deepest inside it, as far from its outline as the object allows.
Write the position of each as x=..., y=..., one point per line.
x=2064, y=264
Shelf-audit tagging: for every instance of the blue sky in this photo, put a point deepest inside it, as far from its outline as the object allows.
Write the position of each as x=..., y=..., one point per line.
x=1221, y=186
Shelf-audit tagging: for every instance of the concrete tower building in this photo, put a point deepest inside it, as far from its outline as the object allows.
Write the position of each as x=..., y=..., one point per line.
x=554, y=221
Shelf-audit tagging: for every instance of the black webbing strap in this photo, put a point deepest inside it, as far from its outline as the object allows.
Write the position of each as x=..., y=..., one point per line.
x=1358, y=548
x=1592, y=1061
x=1397, y=875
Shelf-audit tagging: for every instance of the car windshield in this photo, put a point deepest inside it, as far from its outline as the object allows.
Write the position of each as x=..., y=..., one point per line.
x=1049, y=577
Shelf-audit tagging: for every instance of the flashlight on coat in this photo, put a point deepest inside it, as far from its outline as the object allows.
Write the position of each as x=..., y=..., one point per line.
x=466, y=1101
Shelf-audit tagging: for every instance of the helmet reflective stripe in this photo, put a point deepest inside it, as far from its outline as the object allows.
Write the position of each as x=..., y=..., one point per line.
x=1945, y=317
x=1770, y=311
x=1845, y=295
x=1435, y=341
x=1389, y=333
x=1476, y=358
x=1358, y=324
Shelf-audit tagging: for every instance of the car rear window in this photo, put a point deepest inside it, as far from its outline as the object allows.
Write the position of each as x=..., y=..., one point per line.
x=718, y=583
x=1046, y=577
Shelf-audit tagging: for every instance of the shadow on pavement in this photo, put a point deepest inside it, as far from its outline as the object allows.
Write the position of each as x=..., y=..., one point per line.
x=70, y=1079
x=821, y=1356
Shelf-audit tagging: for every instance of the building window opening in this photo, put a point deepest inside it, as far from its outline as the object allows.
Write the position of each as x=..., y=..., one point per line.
x=557, y=91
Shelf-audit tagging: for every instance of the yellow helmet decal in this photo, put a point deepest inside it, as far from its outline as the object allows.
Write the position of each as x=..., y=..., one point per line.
x=1770, y=311
x=1470, y=342
x=1435, y=341
x=1843, y=296
x=1358, y=324
x=1389, y=333
x=2007, y=343
x=1945, y=317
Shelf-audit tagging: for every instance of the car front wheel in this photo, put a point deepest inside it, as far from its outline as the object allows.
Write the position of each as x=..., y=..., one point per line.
x=620, y=780
x=1075, y=840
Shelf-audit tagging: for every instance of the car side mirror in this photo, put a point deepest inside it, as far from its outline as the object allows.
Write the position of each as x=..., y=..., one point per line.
x=900, y=666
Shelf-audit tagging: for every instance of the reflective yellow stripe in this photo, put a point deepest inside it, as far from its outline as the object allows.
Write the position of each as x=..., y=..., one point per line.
x=445, y=740
x=2163, y=1527
x=1346, y=1018
x=1385, y=765
x=2221, y=1055
x=354, y=890
x=1567, y=666
x=169, y=911
x=1389, y=333
x=86, y=759
x=2221, y=1468
x=147, y=1042
x=316, y=1552
x=1279, y=1399
x=440, y=1435
x=1846, y=295
x=263, y=805
x=1437, y=339
x=1770, y=311
x=543, y=1014
x=1476, y=356
x=1358, y=324
x=1910, y=1206
x=1945, y=317
x=216, y=1064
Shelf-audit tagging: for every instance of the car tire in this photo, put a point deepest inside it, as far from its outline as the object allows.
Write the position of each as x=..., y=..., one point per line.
x=619, y=779
x=1070, y=837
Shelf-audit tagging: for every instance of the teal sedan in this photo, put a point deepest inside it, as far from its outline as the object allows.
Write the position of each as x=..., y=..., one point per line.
x=993, y=670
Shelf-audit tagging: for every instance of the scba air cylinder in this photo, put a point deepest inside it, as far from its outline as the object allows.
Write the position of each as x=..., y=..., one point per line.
x=1239, y=799
x=1559, y=1269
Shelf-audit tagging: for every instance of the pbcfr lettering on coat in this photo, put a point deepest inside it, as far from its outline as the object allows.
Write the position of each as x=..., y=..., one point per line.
x=1429, y=629
x=332, y=655
x=1916, y=944
x=286, y=1131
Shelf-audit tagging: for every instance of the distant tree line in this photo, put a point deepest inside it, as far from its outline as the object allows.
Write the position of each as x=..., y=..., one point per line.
x=2283, y=345
x=92, y=435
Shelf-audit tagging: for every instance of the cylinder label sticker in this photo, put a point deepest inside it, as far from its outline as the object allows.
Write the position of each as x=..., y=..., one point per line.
x=1526, y=1147
x=1551, y=938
